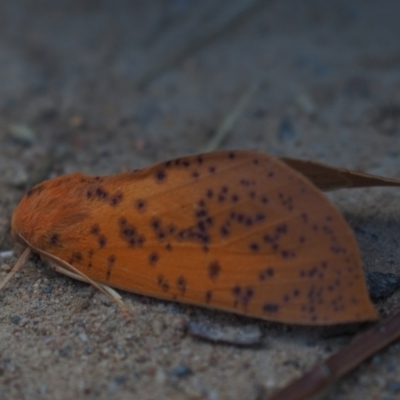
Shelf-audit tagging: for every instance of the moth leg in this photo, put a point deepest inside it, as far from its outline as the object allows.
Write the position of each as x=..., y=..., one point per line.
x=112, y=294
x=18, y=265
x=65, y=268
x=70, y=274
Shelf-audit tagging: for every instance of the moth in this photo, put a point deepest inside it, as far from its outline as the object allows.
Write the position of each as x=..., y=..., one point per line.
x=239, y=231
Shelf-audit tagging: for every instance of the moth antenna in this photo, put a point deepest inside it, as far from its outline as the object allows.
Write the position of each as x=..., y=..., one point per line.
x=20, y=262
x=111, y=294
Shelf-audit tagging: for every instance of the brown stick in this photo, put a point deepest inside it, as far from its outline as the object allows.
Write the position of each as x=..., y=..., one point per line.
x=326, y=177
x=345, y=360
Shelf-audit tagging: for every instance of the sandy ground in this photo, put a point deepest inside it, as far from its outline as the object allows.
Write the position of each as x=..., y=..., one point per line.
x=327, y=76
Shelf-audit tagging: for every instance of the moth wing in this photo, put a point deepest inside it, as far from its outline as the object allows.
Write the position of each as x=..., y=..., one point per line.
x=238, y=231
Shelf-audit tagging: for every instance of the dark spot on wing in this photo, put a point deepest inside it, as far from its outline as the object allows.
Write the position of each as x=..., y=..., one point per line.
x=267, y=273
x=214, y=269
x=234, y=198
x=254, y=247
x=77, y=256
x=260, y=217
x=181, y=285
x=102, y=240
x=110, y=263
x=208, y=296
x=163, y=283
x=116, y=199
x=160, y=176
x=55, y=239
x=242, y=296
x=153, y=258
x=100, y=193
x=95, y=229
x=140, y=205
x=129, y=234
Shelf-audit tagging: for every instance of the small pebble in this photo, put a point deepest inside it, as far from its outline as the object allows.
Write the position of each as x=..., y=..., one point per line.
x=22, y=133
x=286, y=131
x=83, y=337
x=47, y=289
x=15, y=319
x=249, y=335
x=17, y=176
x=43, y=389
x=381, y=285
x=119, y=380
x=181, y=371
x=6, y=254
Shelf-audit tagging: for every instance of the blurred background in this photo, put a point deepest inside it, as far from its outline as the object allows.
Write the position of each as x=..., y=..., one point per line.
x=105, y=86
x=122, y=83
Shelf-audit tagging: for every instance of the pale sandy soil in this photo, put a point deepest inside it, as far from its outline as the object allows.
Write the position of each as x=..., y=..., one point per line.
x=328, y=88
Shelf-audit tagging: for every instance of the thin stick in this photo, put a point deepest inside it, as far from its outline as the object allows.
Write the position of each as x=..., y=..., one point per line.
x=198, y=32
x=230, y=120
x=21, y=261
x=335, y=367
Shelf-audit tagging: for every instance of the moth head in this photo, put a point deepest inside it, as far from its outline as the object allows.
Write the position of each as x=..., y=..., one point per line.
x=48, y=208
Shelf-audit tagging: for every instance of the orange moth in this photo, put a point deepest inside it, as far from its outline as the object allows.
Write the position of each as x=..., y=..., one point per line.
x=239, y=231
